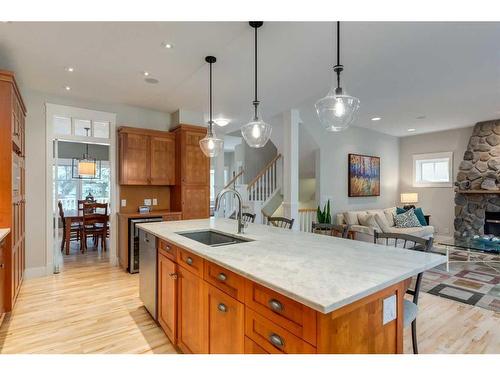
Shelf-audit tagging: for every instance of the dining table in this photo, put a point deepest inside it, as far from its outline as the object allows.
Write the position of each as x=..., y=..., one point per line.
x=70, y=217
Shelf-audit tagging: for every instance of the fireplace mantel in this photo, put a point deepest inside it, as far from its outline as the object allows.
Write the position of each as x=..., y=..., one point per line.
x=478, y=192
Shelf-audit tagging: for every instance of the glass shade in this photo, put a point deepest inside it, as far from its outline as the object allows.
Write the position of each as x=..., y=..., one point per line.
x=256, y=133
x=211, y=145
x=337, y=111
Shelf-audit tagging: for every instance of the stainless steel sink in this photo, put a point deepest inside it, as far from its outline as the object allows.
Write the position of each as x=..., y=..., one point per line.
x=213, y=238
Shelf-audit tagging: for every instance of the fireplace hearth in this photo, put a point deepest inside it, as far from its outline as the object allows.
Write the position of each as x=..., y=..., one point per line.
x=492, y=223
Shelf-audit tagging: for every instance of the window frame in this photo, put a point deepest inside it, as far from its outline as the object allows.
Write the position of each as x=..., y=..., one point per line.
x=418, y=158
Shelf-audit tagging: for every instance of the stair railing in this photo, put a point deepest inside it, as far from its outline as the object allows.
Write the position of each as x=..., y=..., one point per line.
x=267, y=181
x=306, y=218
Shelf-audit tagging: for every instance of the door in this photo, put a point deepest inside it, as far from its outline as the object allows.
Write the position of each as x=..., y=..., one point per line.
x=162, y=160
x=167, y=297
x=192, y=321
x=134, y=160
x=225, y=323
x=195, y=163
x=195, y=202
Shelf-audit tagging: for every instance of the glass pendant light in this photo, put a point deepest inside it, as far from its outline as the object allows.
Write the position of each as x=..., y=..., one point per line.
x=337, y=110
x=256, y=132
x=211, y=145
x=86, y=167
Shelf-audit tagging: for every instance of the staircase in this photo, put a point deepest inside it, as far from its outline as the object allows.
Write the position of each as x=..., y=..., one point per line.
x=262, y=194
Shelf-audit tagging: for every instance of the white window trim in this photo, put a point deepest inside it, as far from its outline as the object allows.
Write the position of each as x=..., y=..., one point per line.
x=437, y=155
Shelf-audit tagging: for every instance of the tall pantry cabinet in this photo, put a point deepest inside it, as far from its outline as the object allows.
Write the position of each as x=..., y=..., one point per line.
x=12, y=188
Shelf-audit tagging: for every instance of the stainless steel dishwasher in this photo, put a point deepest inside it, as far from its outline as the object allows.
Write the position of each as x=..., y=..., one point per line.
x=147, y=274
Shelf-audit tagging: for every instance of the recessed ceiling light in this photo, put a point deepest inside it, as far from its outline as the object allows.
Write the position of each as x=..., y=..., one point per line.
x=221, y=121
x=167, y=45
x=151, y=80
x=69, y=69
x=376, y=118
x=67, y=88
x=145, y=74
x=411, y=130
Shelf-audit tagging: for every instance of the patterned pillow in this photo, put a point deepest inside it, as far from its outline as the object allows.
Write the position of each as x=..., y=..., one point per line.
x=407, y=219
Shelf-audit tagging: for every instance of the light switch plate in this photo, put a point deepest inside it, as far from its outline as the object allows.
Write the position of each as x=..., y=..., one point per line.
x=147, y=202
x=389, y=308
x=155, y=202
x=124, y=203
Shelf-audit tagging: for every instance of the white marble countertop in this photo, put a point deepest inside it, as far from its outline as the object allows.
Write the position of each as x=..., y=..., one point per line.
x=322, y=272
x=3, y=233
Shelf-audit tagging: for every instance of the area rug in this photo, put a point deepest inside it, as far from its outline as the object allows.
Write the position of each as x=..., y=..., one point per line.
x=476, y=283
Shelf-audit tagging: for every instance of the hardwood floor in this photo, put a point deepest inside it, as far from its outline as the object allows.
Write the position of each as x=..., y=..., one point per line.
x=93, y=307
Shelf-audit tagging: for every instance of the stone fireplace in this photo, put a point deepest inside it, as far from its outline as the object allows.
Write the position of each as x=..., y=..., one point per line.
x=478, y=181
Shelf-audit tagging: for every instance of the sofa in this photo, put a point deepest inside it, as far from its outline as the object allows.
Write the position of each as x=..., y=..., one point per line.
x=364, y=223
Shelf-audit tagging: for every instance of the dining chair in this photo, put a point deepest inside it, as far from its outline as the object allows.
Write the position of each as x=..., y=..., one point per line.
x=335, y=230
x=280, y=222
x=248, y=217
x=74, y=232
x=95, y=224
x=81, y=203
x=409, y=242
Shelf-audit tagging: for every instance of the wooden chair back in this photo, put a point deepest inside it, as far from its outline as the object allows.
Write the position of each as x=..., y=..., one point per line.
x=280, y=222
x=61, y=210
x=410, y=243
x=82, y=202
x=95, y=213
x=335, y=230
x=248, y=217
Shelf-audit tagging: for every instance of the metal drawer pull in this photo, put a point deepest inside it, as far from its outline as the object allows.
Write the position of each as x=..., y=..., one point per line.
x=276, y=340
x=221, y=277
x=275, y=305
x=189, y=260
x=167, y=247
x=173, y=275
x=222, y=308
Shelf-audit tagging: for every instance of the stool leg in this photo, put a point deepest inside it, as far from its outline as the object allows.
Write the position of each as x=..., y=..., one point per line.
x=414, y=336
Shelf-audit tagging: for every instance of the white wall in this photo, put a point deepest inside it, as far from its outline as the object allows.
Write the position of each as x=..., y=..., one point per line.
x=437, y=202
x=334, y=148
x=35, y=158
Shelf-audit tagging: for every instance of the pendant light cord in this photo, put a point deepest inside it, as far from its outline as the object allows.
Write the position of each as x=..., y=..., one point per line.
x=256, y=101
x=338, y=53
x=210, y=102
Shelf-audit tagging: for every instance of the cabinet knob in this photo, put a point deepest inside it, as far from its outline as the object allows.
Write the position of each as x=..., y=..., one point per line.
x=2, y=265
x=173, y=275
x=276, y=340
x=189, y=261
x=221, y=277
x=222, y=308
x=275, y=305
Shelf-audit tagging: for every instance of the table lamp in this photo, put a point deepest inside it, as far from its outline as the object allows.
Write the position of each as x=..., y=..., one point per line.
x=408, y=199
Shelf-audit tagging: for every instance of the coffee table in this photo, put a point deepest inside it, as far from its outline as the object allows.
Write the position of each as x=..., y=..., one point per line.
x=472, y=247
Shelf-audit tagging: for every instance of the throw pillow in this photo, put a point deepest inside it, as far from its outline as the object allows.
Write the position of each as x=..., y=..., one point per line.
x=371, y=222
x=382, y=223
x=407, y=219
x=351, y=217
x=418, y=212
x=420, y=216
x=389, y=215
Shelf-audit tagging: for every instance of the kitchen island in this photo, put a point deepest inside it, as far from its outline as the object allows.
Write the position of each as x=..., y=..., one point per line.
x=281, y=291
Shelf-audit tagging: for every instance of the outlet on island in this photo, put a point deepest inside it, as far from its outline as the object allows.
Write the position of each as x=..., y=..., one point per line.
x=147, y=202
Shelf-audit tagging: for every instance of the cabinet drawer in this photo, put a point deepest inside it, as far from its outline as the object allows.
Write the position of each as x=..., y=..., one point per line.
x=191, y=262
x=252, y=348
x=167, y=249
x=225, y=280
x=295, y=317
x=273, y=338
x=172, y=217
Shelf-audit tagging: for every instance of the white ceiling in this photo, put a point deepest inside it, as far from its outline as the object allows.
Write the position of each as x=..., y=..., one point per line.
x=447, y=72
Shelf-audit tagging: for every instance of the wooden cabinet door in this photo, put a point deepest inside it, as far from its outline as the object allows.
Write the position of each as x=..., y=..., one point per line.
x=196, y=166
x=134, y=159
x=162, y=160
x=225, y=323
x=167, y=297
x=3, y=281
x=195, y=202
x=192, y=335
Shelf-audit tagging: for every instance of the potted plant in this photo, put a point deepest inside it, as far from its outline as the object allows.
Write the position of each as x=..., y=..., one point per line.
x=324, y=217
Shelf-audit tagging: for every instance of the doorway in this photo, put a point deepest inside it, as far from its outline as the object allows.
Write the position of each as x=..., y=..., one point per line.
x=77, y=137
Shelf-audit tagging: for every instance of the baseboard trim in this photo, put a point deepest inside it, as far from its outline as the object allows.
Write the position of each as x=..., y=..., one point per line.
x=34, y=272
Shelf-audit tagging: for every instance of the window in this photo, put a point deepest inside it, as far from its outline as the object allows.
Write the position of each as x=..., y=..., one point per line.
x=433, y=170
x=77, y=127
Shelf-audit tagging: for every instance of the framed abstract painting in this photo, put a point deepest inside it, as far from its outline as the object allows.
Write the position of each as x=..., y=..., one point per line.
x=364, y=175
